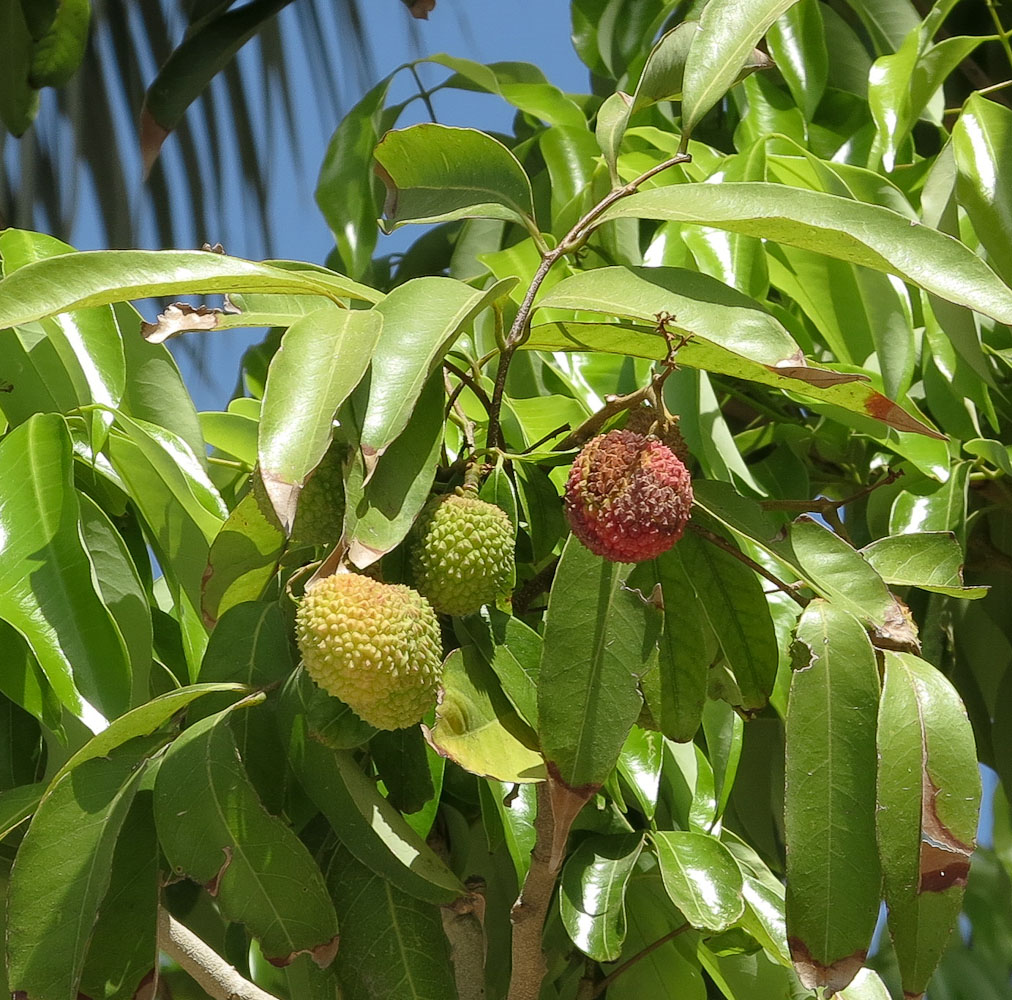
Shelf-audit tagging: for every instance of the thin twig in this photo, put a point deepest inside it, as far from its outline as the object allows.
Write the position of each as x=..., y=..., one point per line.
x=733, y=550
x=424, y=94
x=1002, y=34
x=612, y=406
x=470, y=382
x=825, y=505
x=639, y=956
x=203, y=964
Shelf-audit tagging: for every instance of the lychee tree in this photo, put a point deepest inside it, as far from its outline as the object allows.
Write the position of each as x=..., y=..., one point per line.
x=740, y=316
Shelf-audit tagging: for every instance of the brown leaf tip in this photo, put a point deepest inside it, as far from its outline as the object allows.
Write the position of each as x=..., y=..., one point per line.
x=832, y=976
x=323, y=954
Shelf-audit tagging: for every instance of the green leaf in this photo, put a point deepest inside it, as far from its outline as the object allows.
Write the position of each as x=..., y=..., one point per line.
x=735, y=606
x=322, y=357
x=18, y=99
x=214, y=829
x=931, y=560
x=311, y=712
x=640, y=765
x=46, y=579
x=797, y=43
x=57, y=54
x=435, y=173
x=928, y=801
x=592, y=896
x=123, y=946
x=612, y=118
x=392, y=944
x=849, y=230
x=599, y=637
x=402, y=761
x=982, y=141
x=365, y=822
x=18, y=804
x=477, y=728
x=849, y=391
x=728, y=32
x=833, y=877
x=144, y=720
x=700, y=877
x=724, y=731
x=100, y=277
x=421, y=319
x=62, y=872
x=243, y=556
x=23, y=682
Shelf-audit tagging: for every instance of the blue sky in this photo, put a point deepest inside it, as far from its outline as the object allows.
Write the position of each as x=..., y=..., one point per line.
x=483, y=30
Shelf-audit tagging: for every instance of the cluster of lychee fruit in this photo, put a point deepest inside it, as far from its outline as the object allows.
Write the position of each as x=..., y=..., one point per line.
x=376, y=646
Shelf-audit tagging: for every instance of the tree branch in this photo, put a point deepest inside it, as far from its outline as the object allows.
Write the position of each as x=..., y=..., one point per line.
x=203, y=964
x=625, y=966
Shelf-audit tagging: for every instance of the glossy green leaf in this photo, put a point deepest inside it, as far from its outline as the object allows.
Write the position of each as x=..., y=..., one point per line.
x=929, y=560
x=374, y=832
x=981, y=141
x=733, y=601
x=640, y=764
x=421, y=319
x=392, y=944
x=833, y=877
x=24, y=683
x=435, y=173
x=851, y=392
x=592, y=896
x=763, y=894
x=598, y=638
x=63, y=870
x=477, y=728
x=863, y=234
x=46, y=585
x=214, y=829
x=797, y=43
x=100, y=277
x=18, y=804
x=382, y=506
x=701, y=878
x=322, y=357
x=144, y=720
x=723, y=729
x=928, y=801
x=244, y=555
x=612, y=118
x=123, y=945
x=517, y=806
x=728, y=32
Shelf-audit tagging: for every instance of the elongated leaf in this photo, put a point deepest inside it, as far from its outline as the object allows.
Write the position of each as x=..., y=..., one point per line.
x=392, y=944
x=57, y=54
x=322, y=357
x=62, y=871
x=477, y=728
x=18, y=99
x=421, y=319
x=598, y=638
x=797, y=43
x=833, y=876
x=435, y=173
x=640, y=765
x=46, y=587
x=701, y=878
x=851, y=392
x=17, y=804
x=592, y=900
x=728, y=32
x=839, y=227
x=612, y=118
x=374, y=832
x=94, y=278
x=928, y=800
x=931, y=560
x=213, y=828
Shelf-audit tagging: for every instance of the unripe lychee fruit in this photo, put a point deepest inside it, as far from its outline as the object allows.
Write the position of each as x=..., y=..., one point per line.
x=373, y=645
x=628, y=497
x=319, y=518
x=461, y=553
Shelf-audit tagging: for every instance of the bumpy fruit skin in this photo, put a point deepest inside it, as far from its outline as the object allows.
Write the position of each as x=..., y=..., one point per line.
x=628, y=497
x=319, y=518
x=374, y=645
x=462, y=553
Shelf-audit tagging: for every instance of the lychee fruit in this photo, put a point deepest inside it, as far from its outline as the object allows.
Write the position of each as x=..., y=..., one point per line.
x=319, y=518
x=374, y=645
x=628, y=496
x=462, y=553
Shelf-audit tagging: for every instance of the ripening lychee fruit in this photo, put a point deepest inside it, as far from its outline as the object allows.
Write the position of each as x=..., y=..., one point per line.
x=319, y=518
x=628, y=497
x=461, y=553
x=373, y=645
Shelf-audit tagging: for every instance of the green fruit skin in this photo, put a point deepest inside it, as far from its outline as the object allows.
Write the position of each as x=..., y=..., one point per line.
x=462, y=556
x=319, y=518
x=376, y=646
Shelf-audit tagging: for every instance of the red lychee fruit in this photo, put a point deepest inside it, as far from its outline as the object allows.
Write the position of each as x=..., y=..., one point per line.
x=628, y=497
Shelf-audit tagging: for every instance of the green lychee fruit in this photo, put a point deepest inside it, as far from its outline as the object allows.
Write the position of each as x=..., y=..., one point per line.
x=374, y=645
x=462, y=553
x=628, y=496
x=319, y=518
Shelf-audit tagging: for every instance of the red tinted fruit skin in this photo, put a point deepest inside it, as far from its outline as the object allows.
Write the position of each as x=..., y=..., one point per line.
x=628, y=497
